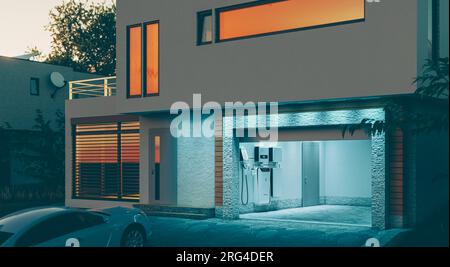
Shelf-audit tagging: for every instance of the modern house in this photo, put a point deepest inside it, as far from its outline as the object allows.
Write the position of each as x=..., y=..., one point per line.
x=25, y=87
x=326, y=64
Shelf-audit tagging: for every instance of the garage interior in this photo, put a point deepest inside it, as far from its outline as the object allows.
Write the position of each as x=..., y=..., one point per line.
x=326, y=181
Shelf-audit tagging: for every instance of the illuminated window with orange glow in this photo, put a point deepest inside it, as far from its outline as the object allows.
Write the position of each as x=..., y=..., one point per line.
x=134, y=60
x=157, y=149
x=106, y=161
x=157, y=166
x=152, y=59
x=249, y=20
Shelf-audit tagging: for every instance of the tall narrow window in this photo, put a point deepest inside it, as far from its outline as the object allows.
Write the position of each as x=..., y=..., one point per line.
x=204, y=27
x=134, y=57
x=152, y=58
x=157, y=166
x=433, y=29
x=258, y=18
x=34, y=86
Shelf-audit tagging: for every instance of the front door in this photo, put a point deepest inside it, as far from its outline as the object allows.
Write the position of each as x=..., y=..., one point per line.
x=310, y=174
x=163, y=167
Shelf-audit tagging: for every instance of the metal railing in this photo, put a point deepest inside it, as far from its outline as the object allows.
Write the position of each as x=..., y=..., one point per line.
x=99, y=87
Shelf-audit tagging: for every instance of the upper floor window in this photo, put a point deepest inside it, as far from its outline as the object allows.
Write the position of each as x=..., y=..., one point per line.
x=433, y=29
x=204, y=27
x=34, y=86
x=274, y=16
x=134, y=60
x=143, y=59
x=151, y=44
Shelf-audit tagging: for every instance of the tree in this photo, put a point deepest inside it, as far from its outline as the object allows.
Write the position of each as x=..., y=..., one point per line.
x=44, y=154
x=84, y=36
x=40, y=57
x=432, y=90
x=5, y=148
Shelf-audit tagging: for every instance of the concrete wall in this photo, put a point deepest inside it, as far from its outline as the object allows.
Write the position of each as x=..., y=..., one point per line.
x=345, y=172
x=196, y=172
x=17, y=106
x=287, y=179
x=374, y=57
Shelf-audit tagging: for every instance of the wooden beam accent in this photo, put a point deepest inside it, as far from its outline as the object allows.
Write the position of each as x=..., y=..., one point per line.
x=218, y=151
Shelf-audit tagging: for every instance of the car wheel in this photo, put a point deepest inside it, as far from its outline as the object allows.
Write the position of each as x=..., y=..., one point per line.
x=133, y=237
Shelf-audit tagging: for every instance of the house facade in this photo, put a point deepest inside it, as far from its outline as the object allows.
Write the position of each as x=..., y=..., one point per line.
x=25, y=87
x=310, y=68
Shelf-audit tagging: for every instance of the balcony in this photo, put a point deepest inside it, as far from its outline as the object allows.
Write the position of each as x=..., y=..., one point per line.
x=100, y=87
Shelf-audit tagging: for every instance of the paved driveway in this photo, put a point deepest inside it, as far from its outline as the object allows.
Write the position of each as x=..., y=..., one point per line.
x=176, y=232
x=328, y=214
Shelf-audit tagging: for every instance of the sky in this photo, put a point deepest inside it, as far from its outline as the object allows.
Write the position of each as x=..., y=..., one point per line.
x=22, y=25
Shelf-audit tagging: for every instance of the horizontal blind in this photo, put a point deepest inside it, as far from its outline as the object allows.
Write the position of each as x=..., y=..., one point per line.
x=106, y=161
x=130, y=159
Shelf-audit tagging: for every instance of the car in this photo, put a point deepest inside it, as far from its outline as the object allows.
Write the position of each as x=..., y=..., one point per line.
x=69, y=227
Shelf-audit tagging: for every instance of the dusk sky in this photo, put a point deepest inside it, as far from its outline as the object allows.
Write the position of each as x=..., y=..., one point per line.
x=22, y=24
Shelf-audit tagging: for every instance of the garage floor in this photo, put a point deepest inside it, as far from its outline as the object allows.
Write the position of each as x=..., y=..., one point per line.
x=325, y=214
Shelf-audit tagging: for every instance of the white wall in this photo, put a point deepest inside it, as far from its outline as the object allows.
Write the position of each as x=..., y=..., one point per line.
x=287, y=180
x=195, y=181
x=18, y=107
x=374, y=57
x=196, y=172
x=346, y=169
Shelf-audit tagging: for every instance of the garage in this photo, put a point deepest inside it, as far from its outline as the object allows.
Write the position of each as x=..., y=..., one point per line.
x=309, y=175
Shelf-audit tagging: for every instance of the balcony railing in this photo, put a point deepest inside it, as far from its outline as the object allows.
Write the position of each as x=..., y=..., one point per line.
x=99, y=87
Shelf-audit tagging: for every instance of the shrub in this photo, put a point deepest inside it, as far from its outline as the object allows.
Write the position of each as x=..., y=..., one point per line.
x=31, y=193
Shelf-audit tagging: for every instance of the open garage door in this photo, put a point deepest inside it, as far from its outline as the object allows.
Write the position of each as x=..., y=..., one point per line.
x=322, y=177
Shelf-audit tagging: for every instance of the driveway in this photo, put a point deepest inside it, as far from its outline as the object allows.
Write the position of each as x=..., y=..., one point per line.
x=325, y=214
x=176, y=232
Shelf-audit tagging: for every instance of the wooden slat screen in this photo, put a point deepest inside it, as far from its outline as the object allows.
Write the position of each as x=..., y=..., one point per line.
x=106, y=161
x=218, y=149
x=396, y=203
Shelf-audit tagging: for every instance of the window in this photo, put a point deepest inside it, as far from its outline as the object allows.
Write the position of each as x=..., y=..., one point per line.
x=204, y=27
x=87, y=220
x=152, y=58
x=106, y=161
x=275, y=16
x=433, y=29
x=34, y=86
x=134, y=58
x=157, y=167
x=143, y=59
x=52, y=228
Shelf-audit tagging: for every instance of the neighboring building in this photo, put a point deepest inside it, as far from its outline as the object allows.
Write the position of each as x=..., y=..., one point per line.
x=328, y=64
x=25, y=87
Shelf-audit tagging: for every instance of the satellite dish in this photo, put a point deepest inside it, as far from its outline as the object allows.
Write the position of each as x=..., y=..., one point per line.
x=57, y=79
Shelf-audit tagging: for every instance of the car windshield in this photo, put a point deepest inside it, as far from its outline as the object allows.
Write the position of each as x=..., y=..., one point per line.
x=4, y=236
